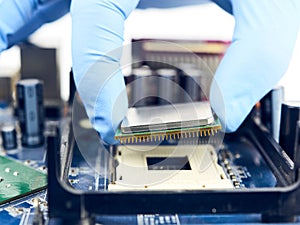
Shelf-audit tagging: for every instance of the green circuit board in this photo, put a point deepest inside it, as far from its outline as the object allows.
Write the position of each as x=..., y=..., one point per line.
x=17, y=180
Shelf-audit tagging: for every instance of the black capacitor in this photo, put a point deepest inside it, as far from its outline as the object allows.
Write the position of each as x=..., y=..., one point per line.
x=143, y=87
x=190, y=79
x=9, y=137
x=31, y=112
x=168, y=88
x=290, y=115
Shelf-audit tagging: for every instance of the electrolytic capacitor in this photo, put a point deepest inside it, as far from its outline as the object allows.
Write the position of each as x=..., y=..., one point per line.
x=31, y=112
x=143, y=87
x=290, y=115
x=191, y=78
x=9, y=137
x=168, y=88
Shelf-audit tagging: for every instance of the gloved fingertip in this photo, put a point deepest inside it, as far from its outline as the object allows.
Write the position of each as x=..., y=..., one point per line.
x=108, y=140
x=230, y=127
x=227, y=106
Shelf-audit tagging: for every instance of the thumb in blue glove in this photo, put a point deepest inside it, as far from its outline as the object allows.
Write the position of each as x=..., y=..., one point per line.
x=261, y=49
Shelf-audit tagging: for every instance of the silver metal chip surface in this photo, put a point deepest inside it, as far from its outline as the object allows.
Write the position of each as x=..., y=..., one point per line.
x=153, y=118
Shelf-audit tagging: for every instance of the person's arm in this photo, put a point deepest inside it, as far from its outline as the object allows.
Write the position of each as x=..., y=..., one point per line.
x=46, y=13
x=19, y=18
x=261, y=49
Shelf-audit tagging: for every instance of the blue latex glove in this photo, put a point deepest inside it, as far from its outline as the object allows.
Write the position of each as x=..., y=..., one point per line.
x=19, y=18
x=262, y=46
x=97, y=39
x=259, y=55
x=97, y=32
x=48, y=12
x=263, y=42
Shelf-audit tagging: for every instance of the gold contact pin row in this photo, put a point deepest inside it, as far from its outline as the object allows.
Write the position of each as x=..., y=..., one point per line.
x=166, y=136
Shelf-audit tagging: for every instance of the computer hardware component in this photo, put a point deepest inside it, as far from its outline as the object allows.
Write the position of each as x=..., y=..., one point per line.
x=155, y=52
x=192, y=81
x=201, y=132
x=155, y=123
x=143, y=88
x=17, y=180
x=288, y=139
x=168, y=91
x=41, y=64
x=181, y=167
x=167, y=117
x=252, y=157
x=6, y=84
x=31, y=111
x=9, y=137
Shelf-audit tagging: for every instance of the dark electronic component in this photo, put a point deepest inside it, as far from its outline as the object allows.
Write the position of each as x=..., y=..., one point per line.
x=190, y=79
x=290, y=115
x=5, y=91
x=41, y=63
x=168, y=89
x=143, y=87
x=9, y=137
x=31, y=112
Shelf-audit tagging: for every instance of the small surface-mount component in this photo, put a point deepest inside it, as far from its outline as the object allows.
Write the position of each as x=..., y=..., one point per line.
x=18, y=180
x=38, y=218
x=156, y=123
x=153, y=219
x=181, y=167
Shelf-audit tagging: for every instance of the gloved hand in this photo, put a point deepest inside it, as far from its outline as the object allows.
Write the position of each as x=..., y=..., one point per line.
x=259, y=55
x=97, y=32
x=19, y=18
x=262, y=46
